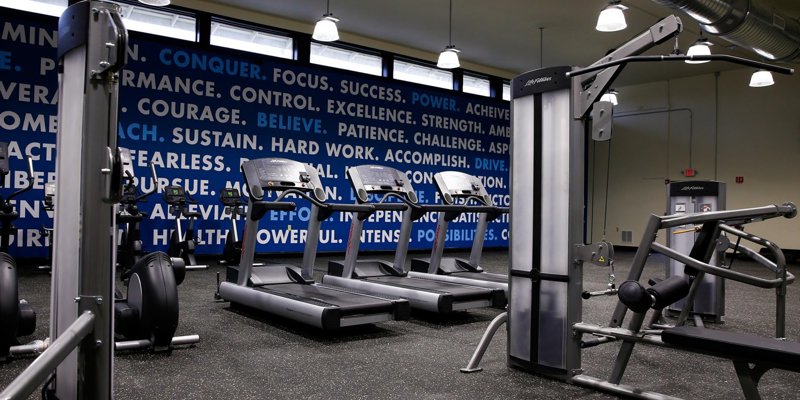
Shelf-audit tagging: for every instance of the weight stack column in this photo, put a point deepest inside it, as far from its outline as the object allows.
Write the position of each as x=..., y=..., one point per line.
x=547, y=208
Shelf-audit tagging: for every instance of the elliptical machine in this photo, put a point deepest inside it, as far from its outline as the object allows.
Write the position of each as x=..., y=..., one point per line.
x=130, y=250
x=182, y=243
x=17, y=317
x=48, y=204
x=148, y=315
x=234, y=206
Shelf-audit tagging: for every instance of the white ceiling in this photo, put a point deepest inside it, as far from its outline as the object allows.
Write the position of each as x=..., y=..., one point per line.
x=505, y=34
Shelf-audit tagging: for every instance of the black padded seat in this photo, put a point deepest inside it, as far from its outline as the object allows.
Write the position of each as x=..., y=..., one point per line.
x=736, y=346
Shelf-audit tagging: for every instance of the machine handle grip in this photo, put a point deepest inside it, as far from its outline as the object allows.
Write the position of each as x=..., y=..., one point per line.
x=260, y=208
x=390, y=206
x=351, y=207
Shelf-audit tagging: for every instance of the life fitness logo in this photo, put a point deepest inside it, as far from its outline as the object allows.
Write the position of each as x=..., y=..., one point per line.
x=536, y=81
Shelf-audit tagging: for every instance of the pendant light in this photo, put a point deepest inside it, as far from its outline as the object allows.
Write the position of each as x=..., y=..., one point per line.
x=701, y=47
x=610, y=95
x=761, y=78
x=325, y=30
x=448, y=58
x=612, y=18
x=157, y=3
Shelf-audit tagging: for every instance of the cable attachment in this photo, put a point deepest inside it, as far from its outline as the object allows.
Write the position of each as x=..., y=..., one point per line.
x=600, y=253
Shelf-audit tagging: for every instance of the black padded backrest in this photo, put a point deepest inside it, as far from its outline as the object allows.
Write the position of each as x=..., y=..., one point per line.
x=704, y=245
x=735, y=346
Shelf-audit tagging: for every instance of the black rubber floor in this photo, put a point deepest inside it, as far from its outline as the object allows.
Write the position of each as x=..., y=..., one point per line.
x=255, y=356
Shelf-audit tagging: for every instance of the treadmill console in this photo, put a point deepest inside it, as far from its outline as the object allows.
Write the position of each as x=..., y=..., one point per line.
x=230, y=197
x=453, y=184
x=368, y=179
x=175, y=195
x=265, y=174
x=4, y=168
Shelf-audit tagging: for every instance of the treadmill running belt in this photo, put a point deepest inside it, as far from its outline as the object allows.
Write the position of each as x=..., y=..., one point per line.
x=350, y=304
x=459, y=292
x=482, y=276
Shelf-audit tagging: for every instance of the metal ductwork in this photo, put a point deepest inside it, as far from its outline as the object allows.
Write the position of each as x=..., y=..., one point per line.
x=750, y=24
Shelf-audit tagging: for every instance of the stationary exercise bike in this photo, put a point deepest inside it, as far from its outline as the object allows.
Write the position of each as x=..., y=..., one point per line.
x=130, y=250
x=182, y=243
x=148, y=315
x=17, y=317
x=234, y=206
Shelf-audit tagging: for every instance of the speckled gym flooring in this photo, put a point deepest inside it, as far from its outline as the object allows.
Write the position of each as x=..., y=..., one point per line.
x=247, y=355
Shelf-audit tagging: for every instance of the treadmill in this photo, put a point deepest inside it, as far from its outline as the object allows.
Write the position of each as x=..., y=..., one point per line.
x=287, y=290
x=384, y=278
x=458, y=187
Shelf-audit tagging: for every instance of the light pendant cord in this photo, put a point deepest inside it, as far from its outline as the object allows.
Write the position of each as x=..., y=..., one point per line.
x=450, y=32
x=541, y=47
x=328, y=8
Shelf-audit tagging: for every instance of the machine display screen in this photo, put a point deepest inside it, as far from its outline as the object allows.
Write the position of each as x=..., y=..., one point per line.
x=379, y=177
x=459, y=184
x=276, y=170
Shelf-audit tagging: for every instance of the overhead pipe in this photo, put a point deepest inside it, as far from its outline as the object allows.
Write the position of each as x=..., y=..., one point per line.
x=750, y=24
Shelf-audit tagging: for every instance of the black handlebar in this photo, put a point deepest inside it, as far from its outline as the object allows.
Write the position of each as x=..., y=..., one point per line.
x=154, y=179
x=261, y=207
x=351, y=207
x=28, y=184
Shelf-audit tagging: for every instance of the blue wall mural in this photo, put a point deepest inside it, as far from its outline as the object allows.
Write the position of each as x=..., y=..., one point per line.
x=197, y=112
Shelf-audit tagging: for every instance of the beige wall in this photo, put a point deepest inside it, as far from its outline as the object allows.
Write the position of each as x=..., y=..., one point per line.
x=749, y=132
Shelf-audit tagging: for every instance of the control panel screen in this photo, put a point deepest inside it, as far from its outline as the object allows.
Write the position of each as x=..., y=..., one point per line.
x=379, y=177
x=174, y=195
x=461, y=184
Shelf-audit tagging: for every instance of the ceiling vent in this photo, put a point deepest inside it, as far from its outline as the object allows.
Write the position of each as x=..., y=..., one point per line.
x=749, y=24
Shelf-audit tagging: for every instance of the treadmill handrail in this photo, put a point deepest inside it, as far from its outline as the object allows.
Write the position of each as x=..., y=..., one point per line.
x=347, y=207
x=390, y=206
x=261, y=207
x=442, y=207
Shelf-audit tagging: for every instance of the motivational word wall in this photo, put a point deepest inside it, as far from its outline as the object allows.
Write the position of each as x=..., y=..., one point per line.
x=198, y=113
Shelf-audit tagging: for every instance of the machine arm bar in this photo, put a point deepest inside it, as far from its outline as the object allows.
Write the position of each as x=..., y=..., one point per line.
x=713, y=57
x=780, y=259
x=787, y=210
x=725, y=273
x=36, y=373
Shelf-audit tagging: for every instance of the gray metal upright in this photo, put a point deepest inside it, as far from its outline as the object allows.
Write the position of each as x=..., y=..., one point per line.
x=548, y=142
x=687, y=197
x=92, y=45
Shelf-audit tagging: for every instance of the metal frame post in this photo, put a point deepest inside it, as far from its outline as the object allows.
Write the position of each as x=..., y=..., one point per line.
x=92, y=49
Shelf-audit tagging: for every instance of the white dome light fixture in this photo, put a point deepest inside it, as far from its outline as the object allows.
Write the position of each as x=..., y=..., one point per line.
x=448, y=58
x=761, y=78
x=701, y=47
x=157, y=3
x=612, y=18
x=325, y=30
x=610, y=95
